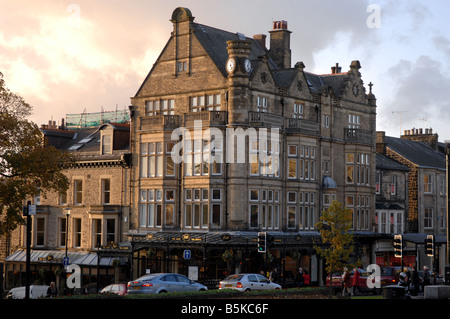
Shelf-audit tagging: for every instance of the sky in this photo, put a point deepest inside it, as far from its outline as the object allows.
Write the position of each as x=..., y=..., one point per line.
x=76, y=56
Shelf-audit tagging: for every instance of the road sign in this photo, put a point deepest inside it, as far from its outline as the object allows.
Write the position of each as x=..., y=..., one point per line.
x=187, y=254
x=31, y=210
x=66, y=261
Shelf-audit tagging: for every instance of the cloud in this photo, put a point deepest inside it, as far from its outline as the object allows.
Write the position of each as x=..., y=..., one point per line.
x=420, y=94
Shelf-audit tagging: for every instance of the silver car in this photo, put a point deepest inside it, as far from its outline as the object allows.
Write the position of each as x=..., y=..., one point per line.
x=247, y=282
x=161, y=283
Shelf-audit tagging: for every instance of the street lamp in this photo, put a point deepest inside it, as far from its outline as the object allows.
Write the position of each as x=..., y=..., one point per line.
x=67, y=211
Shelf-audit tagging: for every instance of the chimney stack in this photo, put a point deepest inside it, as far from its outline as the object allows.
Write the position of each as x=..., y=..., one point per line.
x=280, y=44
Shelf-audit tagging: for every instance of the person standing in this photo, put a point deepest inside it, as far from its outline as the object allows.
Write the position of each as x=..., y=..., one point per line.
x=52, y=291
x=426, y=277
x=347, y=281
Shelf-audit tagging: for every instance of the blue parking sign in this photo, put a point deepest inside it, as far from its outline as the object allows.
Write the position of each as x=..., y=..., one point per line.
x=187, y=254
x=66, y=261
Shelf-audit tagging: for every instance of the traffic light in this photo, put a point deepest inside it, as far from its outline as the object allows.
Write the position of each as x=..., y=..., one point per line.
x=398, y=246
x=262, y=242
x=429, y=245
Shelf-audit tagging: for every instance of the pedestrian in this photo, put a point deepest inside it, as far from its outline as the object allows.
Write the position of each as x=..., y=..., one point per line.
x=306, y=279
x=415, y=281
x=426, y=277
x=52, y=291
x=355, y=283
x=347, y=282
x=300, y=278
x=273, y=276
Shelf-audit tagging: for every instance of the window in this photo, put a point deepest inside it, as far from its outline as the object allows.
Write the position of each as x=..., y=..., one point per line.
x=150, y=208
x=292, y=161
x=182, y=66
x=216, y=207
x=96, y=232
x=110, y=231
x=151, y=159
x=378, y=182
x=106, y=191
x=442, y=185
x=394, y=185
x=196, y=212
x=63, y=198
x=77, y=232
x=306, y=210
x=428, y=183
x=169, y=209
x=325, y=121
x=349, y=168
x=77, y=191
x=307, y=169
x=211, y=102
x=254, y=157
x=40, y=231
x=264, y=209
x=160, y=107
x=353, y=121
x=106, y=144
x=428, y=218
x=62, y=227
x=170, y=166
x=298, y=111
x=262, y=104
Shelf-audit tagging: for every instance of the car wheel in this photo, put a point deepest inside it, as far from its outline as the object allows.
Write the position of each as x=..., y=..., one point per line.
x=163, y=292
x=248, y=289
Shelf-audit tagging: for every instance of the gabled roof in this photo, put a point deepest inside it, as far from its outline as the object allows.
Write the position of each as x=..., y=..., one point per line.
x=214, y=41
x=416, y=152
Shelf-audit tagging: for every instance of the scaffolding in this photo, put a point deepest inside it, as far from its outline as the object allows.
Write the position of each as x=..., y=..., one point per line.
x=85, y=119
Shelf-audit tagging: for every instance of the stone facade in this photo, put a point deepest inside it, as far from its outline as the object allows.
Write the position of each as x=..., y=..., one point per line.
x=321, y=122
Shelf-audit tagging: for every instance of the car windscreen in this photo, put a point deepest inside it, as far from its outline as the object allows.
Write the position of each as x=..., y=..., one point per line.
x=233, y=278
x=147, y=278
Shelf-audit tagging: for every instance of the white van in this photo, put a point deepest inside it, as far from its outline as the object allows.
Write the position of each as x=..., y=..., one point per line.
x=36, y=291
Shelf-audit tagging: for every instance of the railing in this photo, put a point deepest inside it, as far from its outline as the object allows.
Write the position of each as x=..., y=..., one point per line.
x=160, y=121
x=355, y=135
x=266, y=119
x=207, y=117
x=303, y=126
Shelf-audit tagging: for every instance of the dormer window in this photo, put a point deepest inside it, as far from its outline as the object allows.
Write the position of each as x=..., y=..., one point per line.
x=106, y=145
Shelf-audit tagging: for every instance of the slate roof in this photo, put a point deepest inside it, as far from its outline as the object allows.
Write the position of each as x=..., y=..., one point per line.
x=385, y=162
x=214, y=41
x=417, y=152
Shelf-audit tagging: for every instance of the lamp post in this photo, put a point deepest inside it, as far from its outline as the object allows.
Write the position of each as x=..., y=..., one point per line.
x=67, y=211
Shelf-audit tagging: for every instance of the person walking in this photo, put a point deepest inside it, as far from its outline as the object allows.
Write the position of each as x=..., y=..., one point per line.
x=355, y=282
x=426, y=277
x=415, y=281
x=300, y=278
x=347, y=282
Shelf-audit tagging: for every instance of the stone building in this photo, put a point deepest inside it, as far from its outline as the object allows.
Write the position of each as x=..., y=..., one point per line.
x=90, y=217
x=426, y=213
x=232, y=138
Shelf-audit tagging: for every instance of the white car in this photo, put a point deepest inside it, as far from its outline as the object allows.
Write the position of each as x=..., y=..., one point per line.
x=247, y=282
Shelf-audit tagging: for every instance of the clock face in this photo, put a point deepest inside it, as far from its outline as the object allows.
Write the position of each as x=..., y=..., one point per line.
x=247, y=65
x=231, y=65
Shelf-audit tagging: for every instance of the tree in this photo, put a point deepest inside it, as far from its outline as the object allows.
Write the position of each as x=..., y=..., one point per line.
x=28, y=166
x=334, y=227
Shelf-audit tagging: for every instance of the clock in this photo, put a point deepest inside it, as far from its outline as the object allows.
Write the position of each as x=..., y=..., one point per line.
x=247, y=65
x=231, y=65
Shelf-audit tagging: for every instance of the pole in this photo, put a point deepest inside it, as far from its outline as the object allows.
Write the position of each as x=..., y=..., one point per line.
x=28, y=270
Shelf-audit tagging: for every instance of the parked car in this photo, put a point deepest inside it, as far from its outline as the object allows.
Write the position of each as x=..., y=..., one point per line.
x=118, y=289
x=36, y=291
x=162, y=283
x=247, y=282
x=336, y=282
